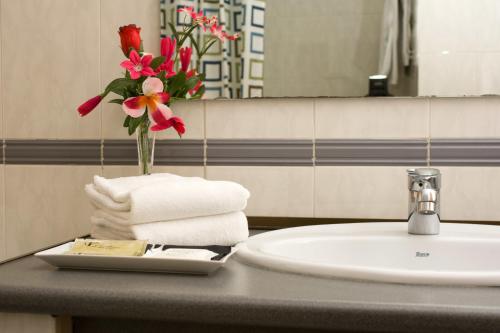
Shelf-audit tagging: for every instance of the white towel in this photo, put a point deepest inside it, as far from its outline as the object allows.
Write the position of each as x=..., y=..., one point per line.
x=164, y=197
x=224, y=229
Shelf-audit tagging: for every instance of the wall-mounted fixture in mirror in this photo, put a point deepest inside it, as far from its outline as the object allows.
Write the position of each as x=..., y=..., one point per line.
x=296, y=48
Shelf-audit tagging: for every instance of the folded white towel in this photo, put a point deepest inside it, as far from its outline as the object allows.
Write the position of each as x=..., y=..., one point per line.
x=165, y=197
x=118, y=189
x=224, y=229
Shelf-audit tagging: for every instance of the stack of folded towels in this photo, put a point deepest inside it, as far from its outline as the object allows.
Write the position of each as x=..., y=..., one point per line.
x=168, y=209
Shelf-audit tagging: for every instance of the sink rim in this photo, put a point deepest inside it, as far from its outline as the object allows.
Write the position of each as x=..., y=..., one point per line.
x=248, y=253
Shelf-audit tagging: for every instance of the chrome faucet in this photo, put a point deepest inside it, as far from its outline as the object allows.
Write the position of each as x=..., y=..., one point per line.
x=423, y=204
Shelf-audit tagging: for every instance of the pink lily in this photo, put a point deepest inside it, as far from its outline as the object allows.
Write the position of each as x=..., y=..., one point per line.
x=198, y=18
x=176, y=122
x=213, y=20
x=185, y=57
x=218, y=32
x=154, y=99
x=233, y=37
x=138, y=66
x=188, y=10
x=168, y=67
x=167, y=47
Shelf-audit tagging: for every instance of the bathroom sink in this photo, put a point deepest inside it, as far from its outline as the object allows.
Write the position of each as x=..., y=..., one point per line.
x=462, y=254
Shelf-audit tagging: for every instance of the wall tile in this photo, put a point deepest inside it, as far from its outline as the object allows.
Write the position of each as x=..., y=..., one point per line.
x=45, y=205
x=61, y=71
x=361, y=192
x=465, y=117
x=193, y=114
x=2, y=213
x=1, y=91
x=470, y=193
x=488, y=82
x=447, y=74
x=275, y=191
x=263, y=119
x=116, y=13
x=114, y=171
x=371, y=118
x=27, y=323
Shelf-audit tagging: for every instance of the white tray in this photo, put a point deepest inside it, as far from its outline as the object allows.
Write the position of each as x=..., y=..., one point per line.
x=56, y=256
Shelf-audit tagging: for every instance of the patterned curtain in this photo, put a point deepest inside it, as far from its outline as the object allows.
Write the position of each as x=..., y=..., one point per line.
x=233, y=69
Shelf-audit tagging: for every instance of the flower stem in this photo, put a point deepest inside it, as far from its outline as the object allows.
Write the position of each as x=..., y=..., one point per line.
x=145, y=146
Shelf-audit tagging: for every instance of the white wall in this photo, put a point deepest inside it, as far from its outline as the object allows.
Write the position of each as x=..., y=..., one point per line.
x=458, y=47
x=338, y=44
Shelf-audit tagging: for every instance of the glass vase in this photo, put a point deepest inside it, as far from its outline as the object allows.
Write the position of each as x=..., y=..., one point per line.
x=145, y=147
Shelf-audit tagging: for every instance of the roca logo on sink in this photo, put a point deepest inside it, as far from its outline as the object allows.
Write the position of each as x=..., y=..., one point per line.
x=422, y=254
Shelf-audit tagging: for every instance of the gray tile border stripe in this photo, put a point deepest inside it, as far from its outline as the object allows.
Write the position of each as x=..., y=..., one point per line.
x=167, y=152
x=371, y=152
x=278, y=152
x=81, y=152
x=465, y=152
x=263, y=152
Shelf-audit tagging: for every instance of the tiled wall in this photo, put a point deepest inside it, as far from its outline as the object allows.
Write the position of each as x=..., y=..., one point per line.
x=295, y=38
x=54, y=54
x=458, y=47
x=290, y=153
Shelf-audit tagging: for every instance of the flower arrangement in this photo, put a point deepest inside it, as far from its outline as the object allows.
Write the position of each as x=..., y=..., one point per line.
x=151, y=84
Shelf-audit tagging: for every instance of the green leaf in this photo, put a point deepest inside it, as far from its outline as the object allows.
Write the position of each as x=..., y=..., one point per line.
x=127, y=121
x=207, y=46
x=199, y=93
x=118, y=86
x=191, y=82
x=157, y=62
x=117, y=101
x=162, y=76
x=133, y=124
x=174, y=30
x=176, y=83
x=195, y=44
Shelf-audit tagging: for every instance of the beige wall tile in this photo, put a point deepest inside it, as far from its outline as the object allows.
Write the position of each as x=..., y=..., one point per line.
x=470, y=193
x=355, y=58
x=116, y=13
x=52, y=67
x=1, y=102
x=26, y=323
x=275, y=191
x=373, y=118
x=465, y=117
x=449, y=74
x=361, y=192
x=193, y=113
x=45, y=205
x=2, y=213
x=260, y=119
x=114, y=171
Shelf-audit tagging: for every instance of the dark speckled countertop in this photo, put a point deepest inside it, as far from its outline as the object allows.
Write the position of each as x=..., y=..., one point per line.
x=240, y=294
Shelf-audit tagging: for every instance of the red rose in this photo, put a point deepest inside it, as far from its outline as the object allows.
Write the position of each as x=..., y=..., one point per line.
x=130, y=37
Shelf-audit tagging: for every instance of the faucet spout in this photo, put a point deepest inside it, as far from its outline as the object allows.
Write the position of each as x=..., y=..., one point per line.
x=424, y=206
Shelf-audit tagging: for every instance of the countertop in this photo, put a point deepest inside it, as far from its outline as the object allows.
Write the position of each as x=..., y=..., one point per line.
x=241, y=294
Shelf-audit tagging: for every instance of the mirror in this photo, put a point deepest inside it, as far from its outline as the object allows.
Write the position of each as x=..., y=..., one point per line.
x=340, y=48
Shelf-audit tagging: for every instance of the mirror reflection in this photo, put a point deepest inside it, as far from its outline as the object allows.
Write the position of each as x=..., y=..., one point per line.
x=340, y=48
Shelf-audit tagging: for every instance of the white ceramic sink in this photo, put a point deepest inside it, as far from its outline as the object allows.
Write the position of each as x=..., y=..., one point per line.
x=462, y=254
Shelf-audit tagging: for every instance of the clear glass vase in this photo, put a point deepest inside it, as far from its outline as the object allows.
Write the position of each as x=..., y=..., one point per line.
x=145, y=147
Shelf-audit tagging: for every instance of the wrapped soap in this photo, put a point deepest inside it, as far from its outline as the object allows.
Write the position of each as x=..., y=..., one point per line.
x=181, y=253
x=130, y=248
